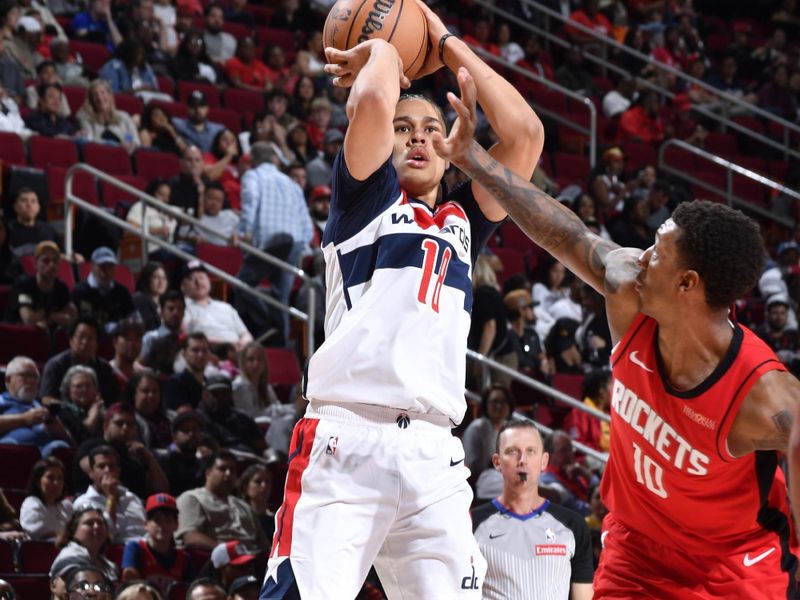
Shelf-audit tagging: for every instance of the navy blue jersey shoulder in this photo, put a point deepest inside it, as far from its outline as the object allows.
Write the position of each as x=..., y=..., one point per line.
x=355, y=203
x=582, y=562
x=480, y=227
x=481, y=513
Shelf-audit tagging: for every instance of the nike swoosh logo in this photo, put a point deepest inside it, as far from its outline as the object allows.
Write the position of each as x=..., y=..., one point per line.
x=749, y=562
x=635, y=360
x=603, y=539
x=453, y=464
x=492, y=536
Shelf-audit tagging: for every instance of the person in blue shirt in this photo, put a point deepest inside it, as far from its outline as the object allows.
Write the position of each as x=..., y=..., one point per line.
x=23, y=419
x=129, y=71
x=96, y=25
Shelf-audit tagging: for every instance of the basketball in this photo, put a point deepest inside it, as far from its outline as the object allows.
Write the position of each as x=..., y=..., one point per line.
x=401, y=23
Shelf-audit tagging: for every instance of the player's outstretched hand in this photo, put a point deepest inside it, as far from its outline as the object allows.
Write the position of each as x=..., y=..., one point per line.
x=345, y=65
x=455, y=147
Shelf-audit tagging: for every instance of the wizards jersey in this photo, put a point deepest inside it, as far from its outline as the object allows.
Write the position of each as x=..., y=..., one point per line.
x=399, y=296
x=670, y=475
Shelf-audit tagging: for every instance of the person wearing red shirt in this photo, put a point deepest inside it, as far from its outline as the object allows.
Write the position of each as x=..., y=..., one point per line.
x=590, y=17
x=583, y=427
x=245, y=71
x=641, y=122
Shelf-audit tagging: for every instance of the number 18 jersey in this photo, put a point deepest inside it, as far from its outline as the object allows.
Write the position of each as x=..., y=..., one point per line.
x=670, y=475
x=398, y=296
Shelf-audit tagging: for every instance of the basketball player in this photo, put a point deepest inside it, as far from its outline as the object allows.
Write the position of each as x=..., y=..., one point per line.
x=375, y=475
x=534, y=549
x=700, y=406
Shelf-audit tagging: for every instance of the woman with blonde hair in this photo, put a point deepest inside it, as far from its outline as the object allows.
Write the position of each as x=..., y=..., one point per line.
x=252, y=393
x=100, y=120
x=138, y=590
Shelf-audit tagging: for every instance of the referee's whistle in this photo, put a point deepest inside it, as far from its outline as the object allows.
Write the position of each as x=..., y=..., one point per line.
x=523, y=477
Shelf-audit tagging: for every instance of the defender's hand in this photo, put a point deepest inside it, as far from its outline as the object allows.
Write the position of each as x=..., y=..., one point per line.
x=436, y=29
x=457, y=145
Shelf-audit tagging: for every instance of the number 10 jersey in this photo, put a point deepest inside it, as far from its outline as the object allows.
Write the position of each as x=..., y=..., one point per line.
x=398, y=281
x=670, y=475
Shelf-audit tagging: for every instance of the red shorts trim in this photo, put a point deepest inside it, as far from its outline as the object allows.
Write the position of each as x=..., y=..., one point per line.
x=635, y=566
x=301, y=445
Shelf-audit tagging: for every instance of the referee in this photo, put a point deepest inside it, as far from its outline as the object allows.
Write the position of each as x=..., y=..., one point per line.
x=534, y=549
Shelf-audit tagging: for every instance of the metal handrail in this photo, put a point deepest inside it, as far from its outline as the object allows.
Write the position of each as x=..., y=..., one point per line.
x=70, y=198
x=730, y=168
x=727, y=97
x=547, y=390
x=585, y=100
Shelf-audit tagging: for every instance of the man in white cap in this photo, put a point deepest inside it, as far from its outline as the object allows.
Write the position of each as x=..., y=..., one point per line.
x=233, y=560
x=100, y=295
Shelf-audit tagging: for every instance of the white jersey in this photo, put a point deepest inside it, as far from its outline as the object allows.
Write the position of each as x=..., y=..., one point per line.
x=399, y=296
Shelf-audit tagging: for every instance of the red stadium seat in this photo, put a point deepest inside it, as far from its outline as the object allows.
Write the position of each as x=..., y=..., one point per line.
x=267, y=36
x=226, y=258
x=75, y=97
x=639, y=155
x=513, y=263
x=569, y=384
x=237, y=30
x=514, y=238
x=229, y=118
x=185, y=88
x=37, y=557
x=283, y=367
x=15, y=498
x=165, y=84
x=243, y=101
x=679, y=159
x=113, y=160
x=721, y=144
x=151, y=164
x=122, y=275
x=750, y=190
x=30, y=587
x=46, y=151
x=262, y=15
x=83, y=185
x=572, y=166
x=12, y=150
x=18, y=460
x=6, y=557
x=129, y=103
x=93, y=56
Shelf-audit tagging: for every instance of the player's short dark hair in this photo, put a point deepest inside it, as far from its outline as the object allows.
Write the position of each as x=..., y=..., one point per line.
x=723, y=246
x=171, y=296
x=593, y=382
x=102, y=450
x=515, y=423
x=87, y=320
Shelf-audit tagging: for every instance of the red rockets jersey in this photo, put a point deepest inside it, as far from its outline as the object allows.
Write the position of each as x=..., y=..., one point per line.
x=670, y=475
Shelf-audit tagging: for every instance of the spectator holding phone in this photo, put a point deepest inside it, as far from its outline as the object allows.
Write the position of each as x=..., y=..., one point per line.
x=23, y=419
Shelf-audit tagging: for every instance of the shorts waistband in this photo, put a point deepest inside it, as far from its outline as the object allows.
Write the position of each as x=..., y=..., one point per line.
x=368, y=414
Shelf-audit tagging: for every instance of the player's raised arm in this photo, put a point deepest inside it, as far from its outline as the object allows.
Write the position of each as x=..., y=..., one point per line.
x=518, y=128
x=375, y=72
x=604, y=265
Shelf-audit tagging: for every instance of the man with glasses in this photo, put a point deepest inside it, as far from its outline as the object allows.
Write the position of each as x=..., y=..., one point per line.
x=89, y=582
x=23, y=419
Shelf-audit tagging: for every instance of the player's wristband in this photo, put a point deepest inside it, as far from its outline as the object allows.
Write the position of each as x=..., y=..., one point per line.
x=442, y=40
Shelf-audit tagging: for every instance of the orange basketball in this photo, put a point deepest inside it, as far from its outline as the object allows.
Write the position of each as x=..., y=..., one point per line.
x=399, y=22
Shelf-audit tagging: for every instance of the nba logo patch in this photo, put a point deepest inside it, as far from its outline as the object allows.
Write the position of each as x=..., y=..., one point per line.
x=550, y=535
x=333, y=441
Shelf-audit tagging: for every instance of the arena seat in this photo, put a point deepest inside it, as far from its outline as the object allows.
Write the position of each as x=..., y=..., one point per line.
x=513, y=263
x=93, y=56
x=47, y=151
x=229, y=118
x=37, y=557
x=18, y=460
x=12, y=150
x=113, y=160
x=129, y=104
x=572, y=166
x=6, y=557
x=30, y=341
x=75, y=97
x=283, y=366
x=268, y=36
x=151, y=164
x=113, y=195
x=243, y=101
